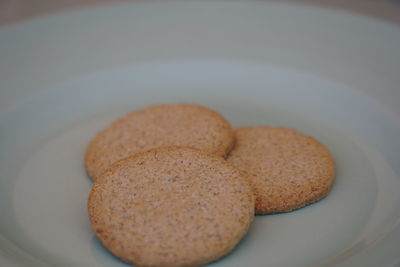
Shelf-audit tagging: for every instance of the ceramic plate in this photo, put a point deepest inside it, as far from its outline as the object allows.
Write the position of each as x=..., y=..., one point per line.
x=330, y=74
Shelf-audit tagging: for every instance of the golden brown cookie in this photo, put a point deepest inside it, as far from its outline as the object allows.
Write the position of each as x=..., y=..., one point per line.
x=287, y=169
x=171, y=206
x=164, y=125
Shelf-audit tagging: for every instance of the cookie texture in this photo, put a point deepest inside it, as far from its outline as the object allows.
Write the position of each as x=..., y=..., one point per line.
x=171, y=206
x=287, y=169
x=156, y=126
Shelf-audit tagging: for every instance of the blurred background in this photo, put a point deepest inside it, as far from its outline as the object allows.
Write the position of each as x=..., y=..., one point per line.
x=13, y=11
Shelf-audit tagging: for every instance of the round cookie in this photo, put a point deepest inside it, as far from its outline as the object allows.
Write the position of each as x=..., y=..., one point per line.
x=287, y=169
x=171, y=206
x=163, y=125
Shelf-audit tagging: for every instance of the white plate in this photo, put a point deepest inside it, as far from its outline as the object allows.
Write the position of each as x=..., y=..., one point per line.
x=330, y=74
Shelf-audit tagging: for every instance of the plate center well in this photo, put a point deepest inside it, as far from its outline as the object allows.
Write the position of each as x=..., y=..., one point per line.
x=48, y=186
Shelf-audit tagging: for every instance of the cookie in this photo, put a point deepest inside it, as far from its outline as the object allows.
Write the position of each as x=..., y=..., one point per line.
x=164, y=125
x=287, y=169
x=171, y=206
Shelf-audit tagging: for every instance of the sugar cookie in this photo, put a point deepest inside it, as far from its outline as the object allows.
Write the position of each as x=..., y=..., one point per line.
x=171, y=206
x=287, y=169
x=163, y=125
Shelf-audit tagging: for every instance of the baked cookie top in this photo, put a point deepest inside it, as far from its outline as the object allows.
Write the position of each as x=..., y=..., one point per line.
x=171, y=206
x=287, y=169
x=155, y=126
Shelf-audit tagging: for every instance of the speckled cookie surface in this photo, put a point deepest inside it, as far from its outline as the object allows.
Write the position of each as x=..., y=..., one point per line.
x=287, y=169
x=171, y=206
x=163, y=125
